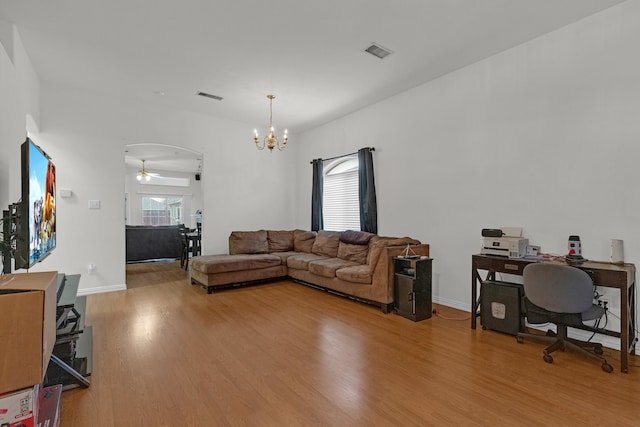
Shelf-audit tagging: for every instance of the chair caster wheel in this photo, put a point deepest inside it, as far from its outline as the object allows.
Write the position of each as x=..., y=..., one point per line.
x=520, y=340
x=607, y=368
x=547, y=358
x=598, y=350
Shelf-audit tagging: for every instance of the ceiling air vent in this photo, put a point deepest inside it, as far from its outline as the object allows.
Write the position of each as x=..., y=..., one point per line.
x=378, y=51
x=208, y=95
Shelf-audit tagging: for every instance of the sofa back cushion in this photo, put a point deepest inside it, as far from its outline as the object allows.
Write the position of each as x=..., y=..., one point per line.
x=356, y=237
x=326, y=243
x=248, y=242
x=303, y=240
x=351, y=252
x=280, y=241
x=354, y=245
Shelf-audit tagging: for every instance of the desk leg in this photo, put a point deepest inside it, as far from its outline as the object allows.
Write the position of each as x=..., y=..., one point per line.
x=627, y=326
x=475, y=299
x=474, y=296
x=624, y=329
x=632, y=317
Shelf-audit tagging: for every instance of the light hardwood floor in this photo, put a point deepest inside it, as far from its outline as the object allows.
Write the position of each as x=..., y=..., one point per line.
x=282, y=354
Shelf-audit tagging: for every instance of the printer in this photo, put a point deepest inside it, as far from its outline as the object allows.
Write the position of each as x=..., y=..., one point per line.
x=510, y=245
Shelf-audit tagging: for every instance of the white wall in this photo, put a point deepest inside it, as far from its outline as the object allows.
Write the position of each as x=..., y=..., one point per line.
x=19, y=98
x=545, y=136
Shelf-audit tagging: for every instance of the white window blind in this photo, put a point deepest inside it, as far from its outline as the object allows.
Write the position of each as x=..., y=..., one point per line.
x=340, y=201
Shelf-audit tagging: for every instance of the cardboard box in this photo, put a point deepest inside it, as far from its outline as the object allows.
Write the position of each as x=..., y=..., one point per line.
x=27, y=328
x=17, y=409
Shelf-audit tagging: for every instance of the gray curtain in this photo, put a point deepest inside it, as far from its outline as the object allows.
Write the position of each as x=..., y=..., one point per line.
x=317, y=222
x=367, y=192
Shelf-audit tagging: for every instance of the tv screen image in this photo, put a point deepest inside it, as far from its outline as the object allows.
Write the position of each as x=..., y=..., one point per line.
x=37, y=225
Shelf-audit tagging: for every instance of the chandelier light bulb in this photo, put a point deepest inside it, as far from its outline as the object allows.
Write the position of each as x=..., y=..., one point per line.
x=270, y=141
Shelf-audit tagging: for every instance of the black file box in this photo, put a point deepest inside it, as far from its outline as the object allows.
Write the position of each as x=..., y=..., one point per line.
x=501, y=307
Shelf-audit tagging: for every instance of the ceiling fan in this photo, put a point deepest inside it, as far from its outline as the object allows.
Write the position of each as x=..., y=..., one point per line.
x=144, y=174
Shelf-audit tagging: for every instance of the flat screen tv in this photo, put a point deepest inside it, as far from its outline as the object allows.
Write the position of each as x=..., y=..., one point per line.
x=36, y=224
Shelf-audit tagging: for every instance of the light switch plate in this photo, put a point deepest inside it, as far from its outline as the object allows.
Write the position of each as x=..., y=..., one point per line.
x=94, y=204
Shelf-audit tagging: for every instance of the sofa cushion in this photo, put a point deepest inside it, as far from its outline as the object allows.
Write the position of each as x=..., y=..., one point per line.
x=248, y=242
x=326, y=243
x=284, y=255
x=351, y=252
x=327, y=267
x=280, y=241
x=303, y=240
x=356, y=237
x=210, y=264
x=356, y=274
x=301, y=261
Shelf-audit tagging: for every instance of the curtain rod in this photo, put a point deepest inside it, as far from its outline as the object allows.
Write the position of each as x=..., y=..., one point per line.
x=344, y=155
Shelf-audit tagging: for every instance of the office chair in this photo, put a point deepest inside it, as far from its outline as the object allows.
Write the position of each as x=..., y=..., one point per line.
x=560, y=294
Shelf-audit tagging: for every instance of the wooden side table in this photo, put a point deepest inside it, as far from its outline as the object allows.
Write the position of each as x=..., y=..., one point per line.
x=412, y=290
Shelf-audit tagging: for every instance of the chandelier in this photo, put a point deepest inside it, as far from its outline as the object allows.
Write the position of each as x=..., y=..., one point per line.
x=270, y=141
x=143, y=174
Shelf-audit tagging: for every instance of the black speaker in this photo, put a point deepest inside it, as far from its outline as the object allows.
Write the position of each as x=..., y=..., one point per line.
x=197, y=177
x=501, y=307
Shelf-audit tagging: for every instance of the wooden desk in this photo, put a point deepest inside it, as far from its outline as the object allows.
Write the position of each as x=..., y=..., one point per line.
x=621, y=277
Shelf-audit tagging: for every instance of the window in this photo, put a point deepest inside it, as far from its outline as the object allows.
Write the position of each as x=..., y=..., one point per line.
x=340, y=201
x=162, y=210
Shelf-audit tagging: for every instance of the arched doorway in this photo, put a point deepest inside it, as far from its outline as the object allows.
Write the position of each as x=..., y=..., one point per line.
x=163, y=187
x=170, y=191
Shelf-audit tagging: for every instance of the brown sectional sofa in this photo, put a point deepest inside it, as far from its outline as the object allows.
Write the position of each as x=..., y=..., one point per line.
x=352, y=263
